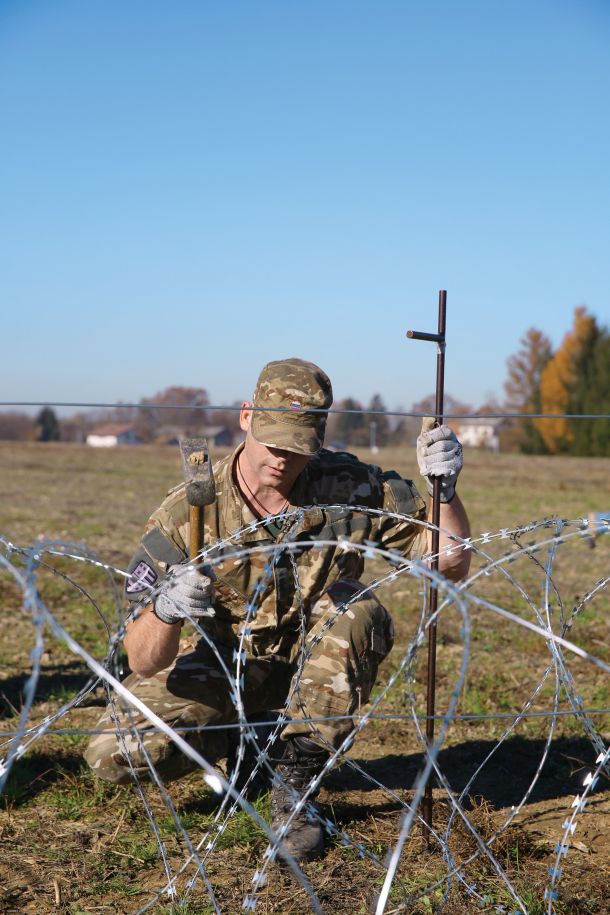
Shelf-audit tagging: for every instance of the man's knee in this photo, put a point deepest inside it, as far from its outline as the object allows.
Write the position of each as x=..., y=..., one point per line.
x=128, y=744
x=106, y=760
x=350, y=613
x=119, y=757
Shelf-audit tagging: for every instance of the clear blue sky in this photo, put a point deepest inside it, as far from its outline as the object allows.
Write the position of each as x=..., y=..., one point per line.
x=190, y=189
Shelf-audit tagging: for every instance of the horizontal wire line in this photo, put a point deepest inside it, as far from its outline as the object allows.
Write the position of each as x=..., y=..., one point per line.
x=466, y=716
x=362, y=411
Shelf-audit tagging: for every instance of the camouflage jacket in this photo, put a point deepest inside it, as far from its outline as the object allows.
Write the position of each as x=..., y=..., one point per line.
x=257, y=581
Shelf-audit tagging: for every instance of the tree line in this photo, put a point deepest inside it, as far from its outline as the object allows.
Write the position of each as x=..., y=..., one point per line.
x=575, y=380
x=183, y=411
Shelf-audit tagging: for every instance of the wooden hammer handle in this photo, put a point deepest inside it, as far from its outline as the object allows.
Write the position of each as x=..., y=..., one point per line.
x=196, y=524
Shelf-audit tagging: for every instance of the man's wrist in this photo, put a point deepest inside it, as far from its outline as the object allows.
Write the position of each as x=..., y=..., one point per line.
x=446, y=492
x=169, y=621
x=445, y=500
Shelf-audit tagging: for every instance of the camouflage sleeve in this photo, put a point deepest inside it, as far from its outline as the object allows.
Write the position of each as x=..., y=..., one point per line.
x=161, y=546
x=401, y=497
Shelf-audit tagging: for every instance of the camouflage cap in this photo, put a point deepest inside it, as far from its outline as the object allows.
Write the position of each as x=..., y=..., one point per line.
x=293, y=388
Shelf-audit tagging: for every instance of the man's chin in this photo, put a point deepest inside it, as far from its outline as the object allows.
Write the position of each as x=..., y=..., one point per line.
x=279, y=481
x=276, y=474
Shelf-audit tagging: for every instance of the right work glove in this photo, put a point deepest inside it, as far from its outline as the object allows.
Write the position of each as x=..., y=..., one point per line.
x=439, y=454
x=185, y=593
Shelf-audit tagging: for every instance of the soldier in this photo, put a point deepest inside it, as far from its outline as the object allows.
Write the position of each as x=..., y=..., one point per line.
x=281, y=472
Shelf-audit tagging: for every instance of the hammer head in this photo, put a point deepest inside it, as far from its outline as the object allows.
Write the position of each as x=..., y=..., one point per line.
x=198, y=475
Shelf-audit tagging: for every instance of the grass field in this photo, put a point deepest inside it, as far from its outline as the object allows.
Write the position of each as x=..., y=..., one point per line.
x=74, y=845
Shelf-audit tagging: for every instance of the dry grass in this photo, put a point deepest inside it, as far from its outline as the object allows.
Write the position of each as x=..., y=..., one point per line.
x=74, y=845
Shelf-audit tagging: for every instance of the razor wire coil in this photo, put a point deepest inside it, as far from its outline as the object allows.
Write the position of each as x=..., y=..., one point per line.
x=27, y=566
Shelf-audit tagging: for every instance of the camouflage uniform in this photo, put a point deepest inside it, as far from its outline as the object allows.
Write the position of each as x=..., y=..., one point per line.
x=338, y=671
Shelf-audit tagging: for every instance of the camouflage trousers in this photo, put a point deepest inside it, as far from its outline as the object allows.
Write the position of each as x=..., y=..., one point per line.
x=327, y=680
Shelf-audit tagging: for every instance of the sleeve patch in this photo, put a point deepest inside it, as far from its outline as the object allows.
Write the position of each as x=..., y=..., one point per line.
x=142, y=577
x=161, y=548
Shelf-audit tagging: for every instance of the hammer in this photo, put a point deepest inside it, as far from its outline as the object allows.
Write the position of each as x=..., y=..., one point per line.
x=200, y=488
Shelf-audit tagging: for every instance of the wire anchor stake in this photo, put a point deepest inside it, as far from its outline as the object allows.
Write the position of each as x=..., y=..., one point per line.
x=438, y=338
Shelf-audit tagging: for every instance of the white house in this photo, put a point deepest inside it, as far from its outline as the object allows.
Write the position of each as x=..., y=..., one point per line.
x=111, y=435
x=480, y=433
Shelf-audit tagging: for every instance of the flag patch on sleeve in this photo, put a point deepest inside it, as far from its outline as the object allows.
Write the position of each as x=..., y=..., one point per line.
x=141, y=578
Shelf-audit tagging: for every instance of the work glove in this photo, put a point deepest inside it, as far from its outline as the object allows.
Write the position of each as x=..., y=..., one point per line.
x=439, y=454
x=186, y=593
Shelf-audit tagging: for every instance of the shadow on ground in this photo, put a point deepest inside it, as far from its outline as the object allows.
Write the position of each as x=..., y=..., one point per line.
x=36, y=772
x=58, y=682
x=503, y=781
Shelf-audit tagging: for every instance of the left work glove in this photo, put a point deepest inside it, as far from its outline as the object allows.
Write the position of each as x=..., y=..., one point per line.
x=186, y=593
x=439, y=454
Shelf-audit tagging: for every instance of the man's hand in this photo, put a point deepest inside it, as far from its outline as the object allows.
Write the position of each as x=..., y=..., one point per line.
x=439, y=454
x=186, y=593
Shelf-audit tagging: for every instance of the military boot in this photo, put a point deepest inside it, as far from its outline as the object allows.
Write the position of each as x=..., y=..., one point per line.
x=302, y=760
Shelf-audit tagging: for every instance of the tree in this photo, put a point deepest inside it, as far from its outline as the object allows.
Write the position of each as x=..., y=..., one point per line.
x=600, y=384
x=228, y=418
x=522, y=388
x=591, y=394
x=450, y=406
x=74, y=428
x=47, y=426
x=378, y=417
x=401, y=428
x=405, y=431
x=188, y=421
x=560, y=381
x=16, y=427
x=349, y=427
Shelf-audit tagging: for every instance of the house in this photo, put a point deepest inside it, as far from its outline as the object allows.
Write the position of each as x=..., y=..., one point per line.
x=111, y=435
x=479, y=432
x=218, y=435
x=169, y=435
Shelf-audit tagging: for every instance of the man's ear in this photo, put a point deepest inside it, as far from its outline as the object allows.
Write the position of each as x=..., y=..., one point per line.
x=245, y=416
